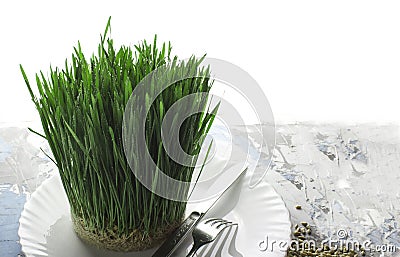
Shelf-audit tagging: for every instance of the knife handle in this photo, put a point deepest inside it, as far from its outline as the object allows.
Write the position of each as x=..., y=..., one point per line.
x=174, y=240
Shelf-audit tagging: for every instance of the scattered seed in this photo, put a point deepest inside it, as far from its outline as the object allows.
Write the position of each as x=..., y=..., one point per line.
x=305, y=224
x=297, y=233
x=302, y=232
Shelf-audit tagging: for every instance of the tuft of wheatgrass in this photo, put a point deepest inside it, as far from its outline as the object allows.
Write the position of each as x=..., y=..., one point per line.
x=81, y=107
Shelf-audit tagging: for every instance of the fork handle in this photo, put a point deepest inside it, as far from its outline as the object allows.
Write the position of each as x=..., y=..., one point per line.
x=175, y=239
x=193, y=251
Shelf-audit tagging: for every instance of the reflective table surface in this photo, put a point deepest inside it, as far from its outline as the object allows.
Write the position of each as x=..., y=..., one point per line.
x=341, y=179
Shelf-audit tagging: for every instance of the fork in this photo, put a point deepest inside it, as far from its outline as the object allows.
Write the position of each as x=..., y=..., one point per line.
x=206, y=232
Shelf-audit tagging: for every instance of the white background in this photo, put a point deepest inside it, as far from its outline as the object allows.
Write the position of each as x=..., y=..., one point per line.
x=322, y=61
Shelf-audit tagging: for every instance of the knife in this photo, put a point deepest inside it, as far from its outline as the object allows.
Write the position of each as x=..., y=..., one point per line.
x=176, y=238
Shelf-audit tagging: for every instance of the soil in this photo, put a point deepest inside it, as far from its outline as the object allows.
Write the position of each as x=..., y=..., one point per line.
x=135, y=241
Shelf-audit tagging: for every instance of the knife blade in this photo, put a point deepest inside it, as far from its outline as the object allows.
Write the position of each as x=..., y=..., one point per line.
x=176, y=238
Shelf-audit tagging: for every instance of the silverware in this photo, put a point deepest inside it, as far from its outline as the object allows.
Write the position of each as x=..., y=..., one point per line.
x=173, y=241
x=206, y=232
x=176, y=238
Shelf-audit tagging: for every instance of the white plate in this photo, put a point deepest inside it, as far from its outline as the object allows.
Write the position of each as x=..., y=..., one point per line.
x=46, y=228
